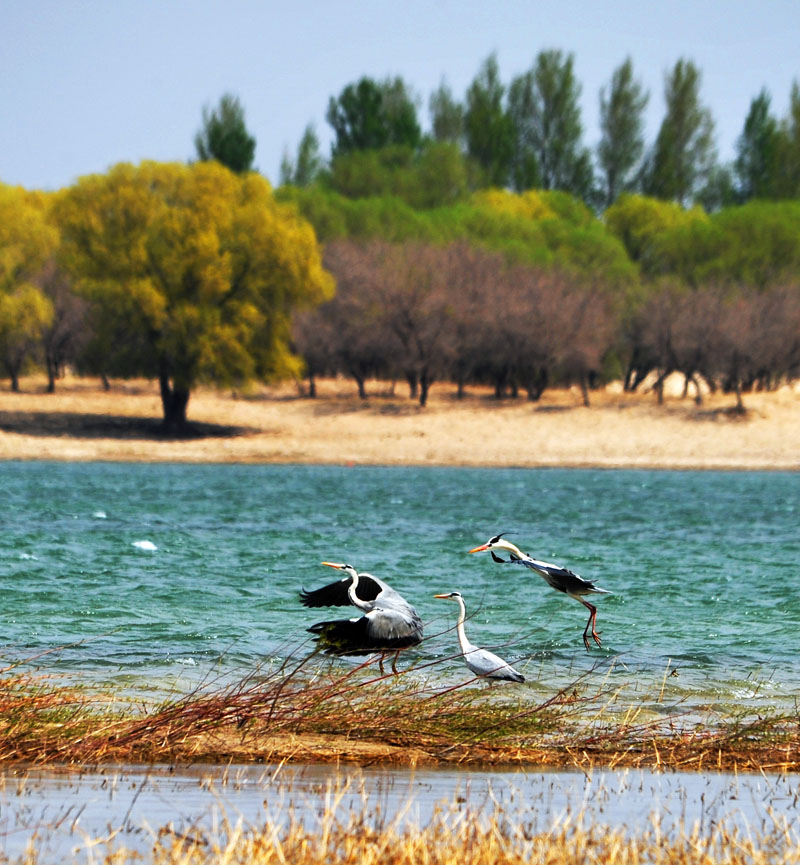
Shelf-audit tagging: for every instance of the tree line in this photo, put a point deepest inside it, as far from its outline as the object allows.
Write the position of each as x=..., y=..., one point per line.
x=486, y=250
x=424, y=314
x=528, y=133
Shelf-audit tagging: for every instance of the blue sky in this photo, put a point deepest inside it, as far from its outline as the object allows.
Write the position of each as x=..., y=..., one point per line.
x=88, y=83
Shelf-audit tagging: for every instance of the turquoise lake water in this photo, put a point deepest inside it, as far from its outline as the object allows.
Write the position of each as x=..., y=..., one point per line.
x=704, y=568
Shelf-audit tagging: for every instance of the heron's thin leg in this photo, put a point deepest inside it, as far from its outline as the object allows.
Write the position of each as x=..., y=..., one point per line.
x=394, y=662
x=592, y=619
x=380, y=664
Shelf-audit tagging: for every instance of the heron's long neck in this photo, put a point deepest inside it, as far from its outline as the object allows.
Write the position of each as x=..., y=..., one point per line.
x=515, y=550
x=462, y=634
x=354, y=599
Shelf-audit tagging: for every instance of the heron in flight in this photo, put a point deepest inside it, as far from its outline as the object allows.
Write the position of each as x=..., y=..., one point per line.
x=558, y=578
x=389, y=624
x=481, y=661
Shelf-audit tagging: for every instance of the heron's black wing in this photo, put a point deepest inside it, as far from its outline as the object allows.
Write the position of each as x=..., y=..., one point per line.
x=561, y=579
x=335, y=594
x=332, y=595
x=357, y=637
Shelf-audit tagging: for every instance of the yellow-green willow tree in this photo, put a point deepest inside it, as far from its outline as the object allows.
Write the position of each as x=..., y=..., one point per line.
x=192, y=273
x=27, y=241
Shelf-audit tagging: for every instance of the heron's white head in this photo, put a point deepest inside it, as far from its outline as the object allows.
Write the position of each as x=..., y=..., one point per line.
x=348, y=569
x=450, y=596
x=498, y=542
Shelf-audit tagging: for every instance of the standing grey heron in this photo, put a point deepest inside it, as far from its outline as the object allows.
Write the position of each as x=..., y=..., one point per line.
x=389, y=624
x=481, y=661
x=558, y=578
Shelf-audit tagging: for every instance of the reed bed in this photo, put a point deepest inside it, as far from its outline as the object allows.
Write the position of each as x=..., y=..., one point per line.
x=453, y=836
x=312, y=710
x=467, y=840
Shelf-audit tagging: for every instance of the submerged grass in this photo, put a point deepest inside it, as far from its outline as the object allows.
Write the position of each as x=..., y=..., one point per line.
x=311, y=710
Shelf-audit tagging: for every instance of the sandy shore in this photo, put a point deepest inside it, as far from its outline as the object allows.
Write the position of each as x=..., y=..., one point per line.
x=81, y=421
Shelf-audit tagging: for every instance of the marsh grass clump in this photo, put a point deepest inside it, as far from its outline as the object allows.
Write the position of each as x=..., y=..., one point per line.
x=316, y=710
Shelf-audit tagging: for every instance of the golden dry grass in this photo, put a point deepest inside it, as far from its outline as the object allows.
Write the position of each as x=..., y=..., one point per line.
x=454, y=838
x=81, y=421
x=454, y=835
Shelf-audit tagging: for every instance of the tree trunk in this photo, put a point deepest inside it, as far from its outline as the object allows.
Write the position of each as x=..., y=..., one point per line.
x=740, y=409
x=362, y=391
x=537, y=384
x=424, y=386
x=312, y=385
x=585, y=390
x=52, y=372
x=174, y=400
x=413, y=381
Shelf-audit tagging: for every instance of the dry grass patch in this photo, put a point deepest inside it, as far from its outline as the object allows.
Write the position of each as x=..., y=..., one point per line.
x=308, y=713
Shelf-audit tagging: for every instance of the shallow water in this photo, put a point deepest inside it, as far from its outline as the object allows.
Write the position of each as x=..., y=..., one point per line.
x=151, y=577
x=66, y=811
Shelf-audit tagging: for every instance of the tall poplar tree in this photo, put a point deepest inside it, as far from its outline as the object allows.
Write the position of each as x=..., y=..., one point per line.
x=369, y=115
x=622, y=132
x=683, y=156
x=447, y=115
x=789, y=148
x=306, y=168
x=757, y=151
x=224, y=136
x=546, y=117
x=487, y=125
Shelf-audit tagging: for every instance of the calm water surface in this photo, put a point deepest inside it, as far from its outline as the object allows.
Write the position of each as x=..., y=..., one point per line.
x=154, y=576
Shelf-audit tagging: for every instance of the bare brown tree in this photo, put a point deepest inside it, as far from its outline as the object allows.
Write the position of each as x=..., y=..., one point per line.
x=68, y=332
x=354, y=328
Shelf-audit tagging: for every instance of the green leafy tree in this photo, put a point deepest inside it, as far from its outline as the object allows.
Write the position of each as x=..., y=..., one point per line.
x=308, y=165
x=447, y=115
x=543, y=104
x=192, y=273
x=757, y=151
x=648, y=227
x=432, y=176
x=27, y=241
x=487, y=125
x=621, y=146
x=369, y=115
x=224, y=136
x=684, y=154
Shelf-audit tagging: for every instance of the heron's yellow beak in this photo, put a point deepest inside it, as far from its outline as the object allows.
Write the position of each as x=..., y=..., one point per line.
x=333, y=565
x=441, y=596
x=480, y=549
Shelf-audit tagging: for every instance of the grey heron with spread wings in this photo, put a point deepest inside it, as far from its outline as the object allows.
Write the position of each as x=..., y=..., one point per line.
x=389, y=624
x=558, y=578
x=482, y=662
